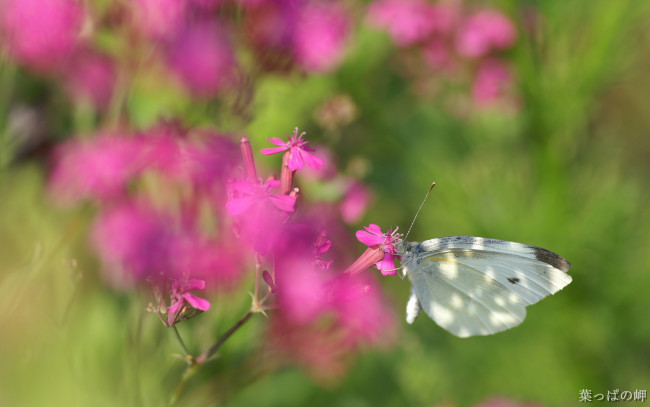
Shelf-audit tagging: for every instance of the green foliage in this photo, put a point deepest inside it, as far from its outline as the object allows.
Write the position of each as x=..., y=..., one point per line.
x=565, y=173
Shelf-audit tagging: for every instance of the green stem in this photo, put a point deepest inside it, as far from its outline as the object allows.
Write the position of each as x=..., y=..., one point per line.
x=209, y=352
x=180, y=340
x=198, y=362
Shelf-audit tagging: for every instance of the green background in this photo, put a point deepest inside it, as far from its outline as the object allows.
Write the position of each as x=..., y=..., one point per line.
x=568, y=172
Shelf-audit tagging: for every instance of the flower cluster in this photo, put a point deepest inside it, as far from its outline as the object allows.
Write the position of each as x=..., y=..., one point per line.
x=151, y=191
x=193, y=42
x=316, y=302
x=445, y=43
x=156, y=191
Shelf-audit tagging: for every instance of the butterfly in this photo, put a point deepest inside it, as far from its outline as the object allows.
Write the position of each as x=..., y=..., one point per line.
x=477, y=286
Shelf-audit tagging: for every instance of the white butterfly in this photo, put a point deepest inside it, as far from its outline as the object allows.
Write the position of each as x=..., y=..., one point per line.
x=476, y=286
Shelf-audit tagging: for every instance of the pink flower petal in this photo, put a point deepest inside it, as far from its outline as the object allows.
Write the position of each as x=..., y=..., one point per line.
x=195, y=284
x=369, y=239
x=311, y=160
x=274, y=150
x=295, y=160
x=283, y=202
x=237, y=206
x=387, y=265
x=197, y=302
x=174, y=308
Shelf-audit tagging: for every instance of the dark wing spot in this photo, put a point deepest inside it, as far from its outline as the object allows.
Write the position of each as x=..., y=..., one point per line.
x=552, y=259
x=513, y=280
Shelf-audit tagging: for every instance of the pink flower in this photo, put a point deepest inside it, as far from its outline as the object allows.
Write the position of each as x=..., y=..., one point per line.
x=202, y=58
x=159, y=19
x=491, y=82
x=182, y=300
x=269, y=26
x=409, y=21
x=319, y=37
x=98, y=168
x=260, y=214
x=436, y=53
x=41, y=34
x=299, y=152
x=91, y=76
x=216, y=261
x=385, y=242
x=355, y=202
x=250, y=195
x=133, y=241
x=483, y=32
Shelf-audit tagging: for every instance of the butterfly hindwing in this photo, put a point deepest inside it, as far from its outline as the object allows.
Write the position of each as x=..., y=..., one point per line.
x=464, y=301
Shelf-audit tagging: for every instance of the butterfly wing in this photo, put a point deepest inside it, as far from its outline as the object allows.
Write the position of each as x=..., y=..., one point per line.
x=476, y=286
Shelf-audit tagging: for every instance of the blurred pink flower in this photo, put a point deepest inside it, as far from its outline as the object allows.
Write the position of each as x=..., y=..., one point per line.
x=206, y=5
x=355, y=202
x=270, y=22
x=299, y=152
x=133, y=241
x=159, y=19
x=98, y=168
x=320, y=35
x=436, y=53
x=323, y=316
x=90, y=76
x=41, y=33
x=259, y=214
x=182, y=299
x=491, y=82
x=373, y=237
x=361, y=309
x=248, y=196
x=215, y=261
x=202, y=58
x=410, y=21
x=483, y=32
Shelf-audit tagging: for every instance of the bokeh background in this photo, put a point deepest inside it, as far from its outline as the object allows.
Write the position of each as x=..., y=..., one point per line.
x=564, y=165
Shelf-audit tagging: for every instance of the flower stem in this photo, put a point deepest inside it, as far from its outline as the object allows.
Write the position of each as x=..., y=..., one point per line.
x=196, y=363
x=209, y=352
x=180, y=340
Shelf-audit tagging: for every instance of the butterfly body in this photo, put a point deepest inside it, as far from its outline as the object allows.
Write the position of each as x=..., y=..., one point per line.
x=477, y=286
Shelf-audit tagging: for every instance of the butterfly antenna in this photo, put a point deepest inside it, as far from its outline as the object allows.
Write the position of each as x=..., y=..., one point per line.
x=433, y=184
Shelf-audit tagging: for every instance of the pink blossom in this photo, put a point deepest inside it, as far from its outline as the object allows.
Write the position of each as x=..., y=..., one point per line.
x=182, y=299
x=483, y=32
x=133, y=241
x=269, y=28
x=98, y=168
x=159, y=19
x=436, y=53
x=202, y=58
x=207, y=5
x=355, y=202
x=91, y=76
x=299, y=152
x=491, y=82
x=374, y=237
x=41, y=34
x=409, y=21
x=361, y=309
x=216, y=261
x=249, y=195
x=259, y=213
x=319, y=37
